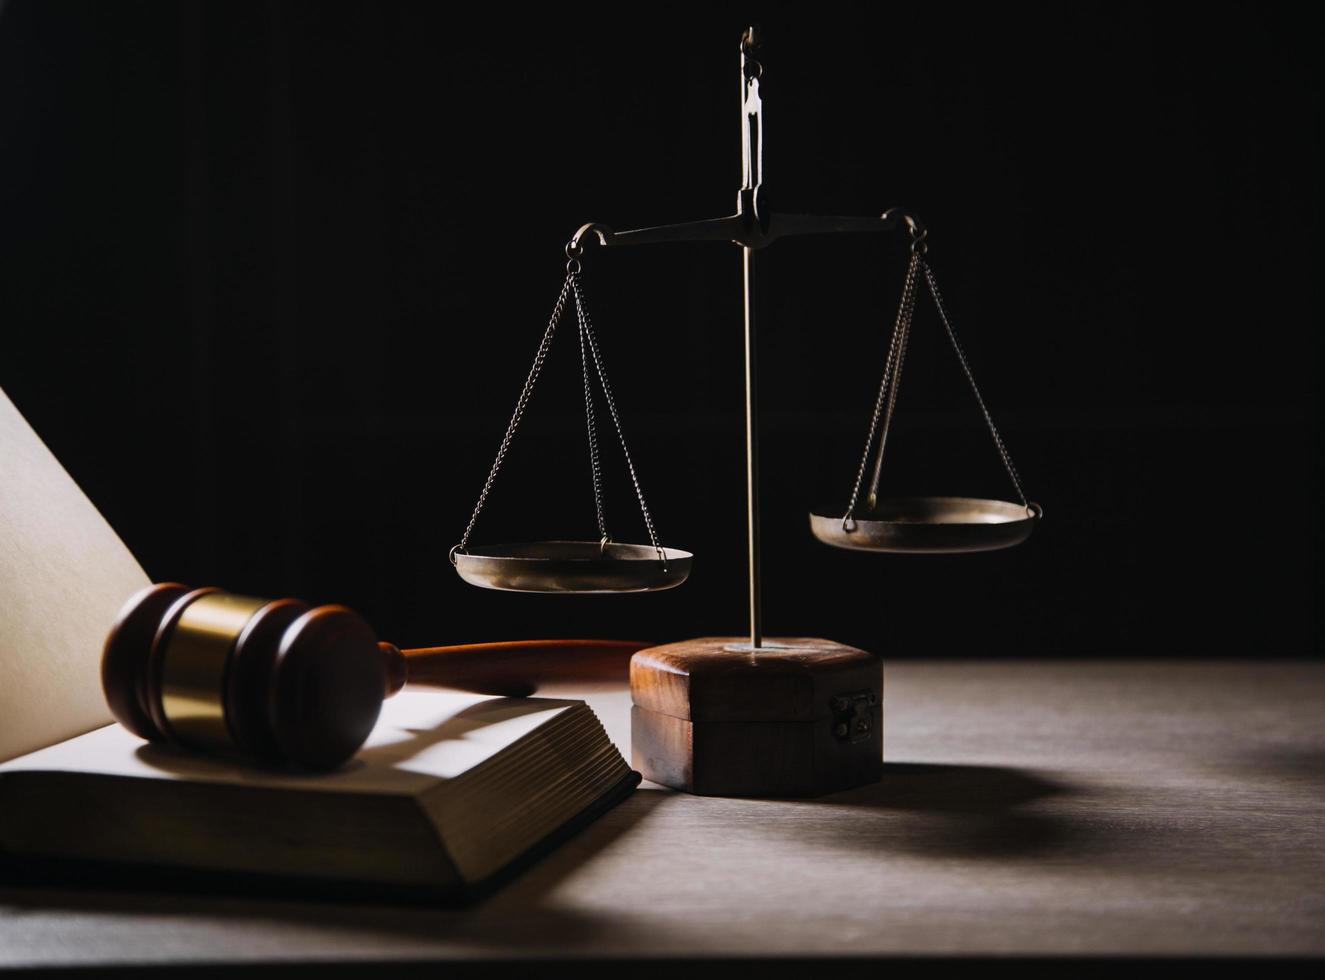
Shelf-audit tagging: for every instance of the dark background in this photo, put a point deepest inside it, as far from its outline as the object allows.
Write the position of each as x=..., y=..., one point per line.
x=271, y=276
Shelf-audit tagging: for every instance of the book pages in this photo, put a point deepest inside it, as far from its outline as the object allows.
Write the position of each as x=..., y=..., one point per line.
x=64, y=574
x=422, y=739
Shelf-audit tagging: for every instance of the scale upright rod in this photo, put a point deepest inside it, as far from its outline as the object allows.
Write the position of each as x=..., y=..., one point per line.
x=752, y=172
x=752, y=448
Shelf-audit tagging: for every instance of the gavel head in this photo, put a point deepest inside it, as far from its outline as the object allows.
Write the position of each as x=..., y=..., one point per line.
x=272, y=680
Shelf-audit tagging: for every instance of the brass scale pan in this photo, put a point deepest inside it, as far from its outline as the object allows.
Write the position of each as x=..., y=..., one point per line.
x=585, y=567
x=928, y=525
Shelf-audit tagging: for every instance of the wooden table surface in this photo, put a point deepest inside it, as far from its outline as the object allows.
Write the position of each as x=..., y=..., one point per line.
x=1027, y=808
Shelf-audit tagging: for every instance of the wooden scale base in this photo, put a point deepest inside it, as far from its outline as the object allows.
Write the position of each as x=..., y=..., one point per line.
x=803, y=717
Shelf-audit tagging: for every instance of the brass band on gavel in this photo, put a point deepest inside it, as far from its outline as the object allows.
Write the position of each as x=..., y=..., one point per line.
x=193, y=667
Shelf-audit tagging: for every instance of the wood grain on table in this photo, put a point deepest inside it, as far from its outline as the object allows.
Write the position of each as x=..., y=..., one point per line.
x=1026, y=808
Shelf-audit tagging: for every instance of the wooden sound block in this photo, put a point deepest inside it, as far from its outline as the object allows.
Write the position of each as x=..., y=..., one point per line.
x=801, y=717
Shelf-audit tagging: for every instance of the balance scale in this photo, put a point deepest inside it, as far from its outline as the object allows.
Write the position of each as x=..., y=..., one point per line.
x=749, y=716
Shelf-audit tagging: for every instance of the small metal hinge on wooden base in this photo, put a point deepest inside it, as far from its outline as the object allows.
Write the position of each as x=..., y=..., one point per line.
x=853, y=721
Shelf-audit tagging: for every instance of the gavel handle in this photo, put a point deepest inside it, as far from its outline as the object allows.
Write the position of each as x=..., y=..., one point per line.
x=514, y=669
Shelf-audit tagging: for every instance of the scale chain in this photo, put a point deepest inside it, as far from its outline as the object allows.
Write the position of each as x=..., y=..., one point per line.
x=900, y=328
x=518, y=414
x=594, y=462
x=586, y=326
x=966, y=368
x=904, y=326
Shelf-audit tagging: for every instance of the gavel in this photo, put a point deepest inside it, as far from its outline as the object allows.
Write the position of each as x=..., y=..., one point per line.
x=295, y=686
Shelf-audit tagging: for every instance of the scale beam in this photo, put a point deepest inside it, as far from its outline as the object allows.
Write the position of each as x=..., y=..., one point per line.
x=742, y=228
